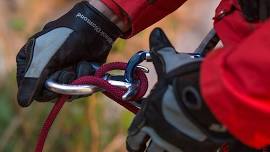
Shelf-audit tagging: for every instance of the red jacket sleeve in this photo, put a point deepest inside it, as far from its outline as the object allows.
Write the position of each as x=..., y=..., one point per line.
x=235, y=83
x=143, y=13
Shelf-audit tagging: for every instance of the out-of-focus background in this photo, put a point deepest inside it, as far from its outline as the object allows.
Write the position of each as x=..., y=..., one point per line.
x=94, y=124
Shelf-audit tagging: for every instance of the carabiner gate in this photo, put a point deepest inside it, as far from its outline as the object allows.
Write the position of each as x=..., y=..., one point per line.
x=133, y=63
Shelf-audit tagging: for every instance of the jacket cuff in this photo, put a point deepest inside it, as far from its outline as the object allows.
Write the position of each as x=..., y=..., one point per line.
x=142, y=13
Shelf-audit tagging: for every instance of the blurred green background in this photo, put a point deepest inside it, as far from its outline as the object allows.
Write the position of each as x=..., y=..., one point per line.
x=93, y=124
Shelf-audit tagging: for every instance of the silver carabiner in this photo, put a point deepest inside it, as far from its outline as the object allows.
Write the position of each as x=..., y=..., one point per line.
x=127, y=81
x=68, y=89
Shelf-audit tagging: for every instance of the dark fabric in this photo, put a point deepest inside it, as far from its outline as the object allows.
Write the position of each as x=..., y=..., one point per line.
x=255, y=10
x=90, y=41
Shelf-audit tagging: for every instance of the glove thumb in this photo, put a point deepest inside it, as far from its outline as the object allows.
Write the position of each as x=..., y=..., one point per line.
x=162, y=52
x=158, y=40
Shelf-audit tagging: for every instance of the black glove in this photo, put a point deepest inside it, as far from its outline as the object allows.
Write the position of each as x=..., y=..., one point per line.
x=174, y=117
x=81, y=34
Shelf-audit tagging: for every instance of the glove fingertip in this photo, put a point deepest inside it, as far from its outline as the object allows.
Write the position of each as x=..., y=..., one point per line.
x=158, y=40
x=26, y=92
x=23, y=100
x=84, y=68
x=66, y=77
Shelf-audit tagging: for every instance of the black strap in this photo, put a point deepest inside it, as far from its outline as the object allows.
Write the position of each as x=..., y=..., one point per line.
x=255, y=10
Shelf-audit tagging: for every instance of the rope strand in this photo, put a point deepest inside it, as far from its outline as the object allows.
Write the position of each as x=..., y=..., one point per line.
x=112, y=92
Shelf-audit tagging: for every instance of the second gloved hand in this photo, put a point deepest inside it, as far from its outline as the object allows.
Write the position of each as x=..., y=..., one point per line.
x=81, y=34
x=174, y=117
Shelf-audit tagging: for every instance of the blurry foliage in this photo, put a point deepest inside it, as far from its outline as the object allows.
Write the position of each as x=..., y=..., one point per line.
x=119, y=46
x=17, y=24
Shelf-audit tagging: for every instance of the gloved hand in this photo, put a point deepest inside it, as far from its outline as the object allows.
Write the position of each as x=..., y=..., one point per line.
x=174, y=117
x=81, y=34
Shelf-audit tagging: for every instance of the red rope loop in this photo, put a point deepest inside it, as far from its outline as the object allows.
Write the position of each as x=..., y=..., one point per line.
x=112, y=92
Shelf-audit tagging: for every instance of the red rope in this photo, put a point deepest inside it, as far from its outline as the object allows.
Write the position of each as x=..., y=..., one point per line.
x=48, y=123
x=112, y=92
